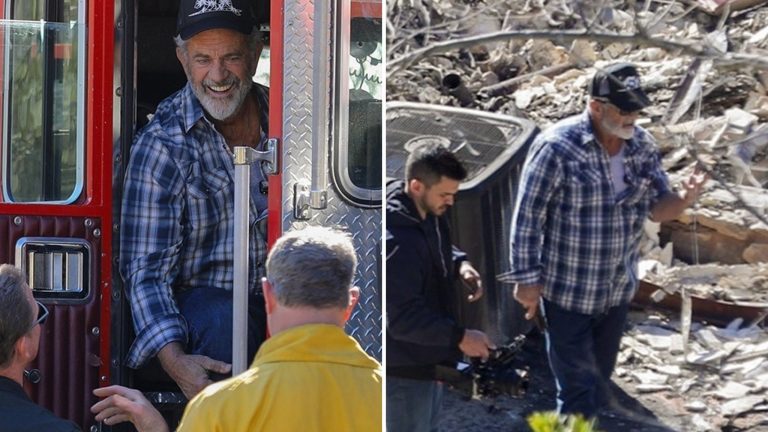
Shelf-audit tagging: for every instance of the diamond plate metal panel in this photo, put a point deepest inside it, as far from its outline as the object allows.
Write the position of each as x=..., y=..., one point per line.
x=364, y=225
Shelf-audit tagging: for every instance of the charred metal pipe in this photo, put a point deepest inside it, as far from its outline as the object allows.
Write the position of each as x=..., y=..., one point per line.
x=455, y=87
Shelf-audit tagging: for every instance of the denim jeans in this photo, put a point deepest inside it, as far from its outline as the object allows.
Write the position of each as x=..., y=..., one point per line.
x=413, y=405
x=208, y=312
x=582, y=352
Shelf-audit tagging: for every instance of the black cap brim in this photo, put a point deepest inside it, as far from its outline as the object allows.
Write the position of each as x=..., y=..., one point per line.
x=630, y=100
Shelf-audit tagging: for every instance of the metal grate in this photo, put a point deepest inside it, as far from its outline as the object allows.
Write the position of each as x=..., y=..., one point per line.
x=56, y=267
x=479, y=139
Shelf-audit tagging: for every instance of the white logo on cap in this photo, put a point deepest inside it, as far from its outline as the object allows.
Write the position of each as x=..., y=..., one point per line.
x=631, y=82
x=206, y=6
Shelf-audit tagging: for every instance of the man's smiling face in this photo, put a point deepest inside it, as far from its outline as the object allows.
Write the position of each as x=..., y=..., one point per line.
x=219, y=65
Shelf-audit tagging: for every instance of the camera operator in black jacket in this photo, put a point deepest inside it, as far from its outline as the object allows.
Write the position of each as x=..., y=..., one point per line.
x=422, y=266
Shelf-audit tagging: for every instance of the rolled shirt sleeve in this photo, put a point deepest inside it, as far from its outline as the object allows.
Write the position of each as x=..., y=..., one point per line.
x=150, y=242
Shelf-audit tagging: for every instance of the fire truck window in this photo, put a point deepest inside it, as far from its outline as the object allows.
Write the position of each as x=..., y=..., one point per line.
x=43, y=80
x=360, y=84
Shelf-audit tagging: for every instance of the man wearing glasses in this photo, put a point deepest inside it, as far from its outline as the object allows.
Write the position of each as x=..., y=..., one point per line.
x=588, y=184
x=20, y=319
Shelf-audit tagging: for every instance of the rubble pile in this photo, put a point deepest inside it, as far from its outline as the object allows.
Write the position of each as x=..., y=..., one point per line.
x=717, y=379
x=545, y=79
x=708, y=109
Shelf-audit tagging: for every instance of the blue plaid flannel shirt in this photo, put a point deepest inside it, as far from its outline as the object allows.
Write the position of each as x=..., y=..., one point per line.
x=570, y=232
x=177, y=227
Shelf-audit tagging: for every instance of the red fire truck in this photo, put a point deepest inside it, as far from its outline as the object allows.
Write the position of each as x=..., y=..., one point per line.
x=78, y=80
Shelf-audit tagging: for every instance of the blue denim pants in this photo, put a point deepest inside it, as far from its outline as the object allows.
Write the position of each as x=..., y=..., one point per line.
x=413, y=405
x=582, y=352
x=208, y=312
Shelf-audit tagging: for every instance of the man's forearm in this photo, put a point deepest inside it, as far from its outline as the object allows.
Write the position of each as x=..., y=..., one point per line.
x=669, y=207
x=168, y=356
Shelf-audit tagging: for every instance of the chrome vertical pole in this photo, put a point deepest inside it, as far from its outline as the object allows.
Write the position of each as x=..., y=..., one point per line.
x=321, y=71
x=240, y=287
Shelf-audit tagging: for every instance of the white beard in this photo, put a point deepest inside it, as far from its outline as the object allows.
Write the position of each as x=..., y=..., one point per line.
x=618, y=130
x=222, y=109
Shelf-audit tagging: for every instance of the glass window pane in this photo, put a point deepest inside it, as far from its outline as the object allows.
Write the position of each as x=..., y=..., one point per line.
x=43, y=81
x=360, y=89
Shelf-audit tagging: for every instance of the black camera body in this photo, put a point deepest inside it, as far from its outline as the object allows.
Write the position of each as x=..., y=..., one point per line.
x=499, y=375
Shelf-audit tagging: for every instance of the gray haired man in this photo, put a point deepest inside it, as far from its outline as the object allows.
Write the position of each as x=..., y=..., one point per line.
x=309, y=375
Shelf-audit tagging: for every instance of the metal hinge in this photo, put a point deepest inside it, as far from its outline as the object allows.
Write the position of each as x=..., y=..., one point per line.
x=247, y=155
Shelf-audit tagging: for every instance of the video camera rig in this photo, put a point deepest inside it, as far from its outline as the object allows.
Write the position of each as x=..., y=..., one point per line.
x=492, y=378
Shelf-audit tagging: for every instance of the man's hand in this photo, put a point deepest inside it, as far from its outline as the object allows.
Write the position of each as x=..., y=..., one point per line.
x=125, y=404
x=528, y=296
x=190, y=371
x=692, y=186
x=472, y=281
x=475, y=344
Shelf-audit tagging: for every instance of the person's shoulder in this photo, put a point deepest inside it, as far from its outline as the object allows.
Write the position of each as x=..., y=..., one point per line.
x=566, y=130
x=230, y=389
x=167, y=115
x=261, y=89
x=36, y=418
x=564, y=138
x=165, y=129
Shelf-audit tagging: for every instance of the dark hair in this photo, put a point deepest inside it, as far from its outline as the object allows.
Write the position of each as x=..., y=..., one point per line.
x=430, y=160
x=15, y=314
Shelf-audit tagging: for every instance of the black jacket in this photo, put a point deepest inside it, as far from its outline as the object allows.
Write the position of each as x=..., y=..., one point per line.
x=19, y=414
x=421, y=271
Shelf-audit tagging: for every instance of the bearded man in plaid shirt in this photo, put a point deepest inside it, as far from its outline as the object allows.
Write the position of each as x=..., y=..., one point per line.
x=588, y=184
x=177, y=231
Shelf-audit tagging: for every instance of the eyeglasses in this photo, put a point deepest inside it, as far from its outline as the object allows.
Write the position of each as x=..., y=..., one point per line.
x=42, y=314
x=619, y=110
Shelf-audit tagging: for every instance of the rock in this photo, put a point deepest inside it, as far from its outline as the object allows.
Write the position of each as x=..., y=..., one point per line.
x=615, y=50
x=676, y=344
x=650, y=388
x=696, y=406
x=740, y=119
x=756, y=253
x=709, y=339
x=738, y=406
x=732, y=390
x=705, y=357
x=582, y=51
x=671, y=370
x=724, y=224
x=742, y=368
x=659, y=341
x=700, y=424
x=647, y=377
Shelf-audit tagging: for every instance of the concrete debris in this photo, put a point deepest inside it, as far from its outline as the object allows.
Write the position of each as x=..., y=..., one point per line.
x=700, y=424
x=742, y=405
x=696, y=406
x=650, y=388
x=718, y=7
x=732, y=390
x=650, y=378
x=716, y=250
x=725, y=373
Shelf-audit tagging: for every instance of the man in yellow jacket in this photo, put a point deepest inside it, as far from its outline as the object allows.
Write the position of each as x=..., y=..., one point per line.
x=309, y=376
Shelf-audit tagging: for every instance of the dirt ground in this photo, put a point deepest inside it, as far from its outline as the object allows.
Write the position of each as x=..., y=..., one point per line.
x=631, y=412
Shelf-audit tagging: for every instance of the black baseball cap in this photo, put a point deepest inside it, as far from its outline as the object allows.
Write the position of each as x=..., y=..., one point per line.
x=196, y=16
x=619, y=83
